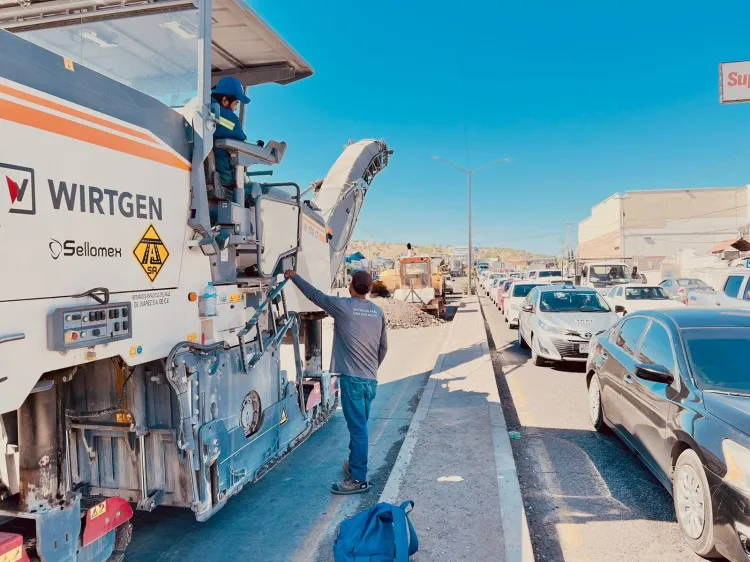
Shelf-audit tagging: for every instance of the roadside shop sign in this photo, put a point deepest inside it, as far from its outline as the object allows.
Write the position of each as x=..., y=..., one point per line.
x=734, y=82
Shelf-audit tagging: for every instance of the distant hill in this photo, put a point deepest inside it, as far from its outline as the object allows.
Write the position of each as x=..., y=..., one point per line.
x=394, y=250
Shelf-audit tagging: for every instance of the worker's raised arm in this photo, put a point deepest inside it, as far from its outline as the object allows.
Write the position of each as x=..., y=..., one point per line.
x=383, y=349
x=326, y=302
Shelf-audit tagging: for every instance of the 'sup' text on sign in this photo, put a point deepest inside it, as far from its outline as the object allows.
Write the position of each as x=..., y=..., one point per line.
x=734, y=82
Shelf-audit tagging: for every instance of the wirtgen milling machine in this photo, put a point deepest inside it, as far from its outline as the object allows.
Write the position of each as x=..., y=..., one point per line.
x=115, y=390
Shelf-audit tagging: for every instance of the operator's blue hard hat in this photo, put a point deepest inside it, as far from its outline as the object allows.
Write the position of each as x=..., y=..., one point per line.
x=230, y=86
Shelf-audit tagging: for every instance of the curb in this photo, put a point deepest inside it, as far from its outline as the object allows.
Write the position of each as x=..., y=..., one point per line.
x=393, y=484
x=516, y=537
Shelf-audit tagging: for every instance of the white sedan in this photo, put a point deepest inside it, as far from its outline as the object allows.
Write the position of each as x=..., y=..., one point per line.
x=637, y=296
x=487, y=283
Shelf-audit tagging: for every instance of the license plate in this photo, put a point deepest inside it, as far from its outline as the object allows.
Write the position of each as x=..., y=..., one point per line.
x=583, y=348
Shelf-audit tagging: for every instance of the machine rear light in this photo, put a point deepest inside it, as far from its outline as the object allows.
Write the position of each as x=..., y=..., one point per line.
x=11, y=548
x=192, y=297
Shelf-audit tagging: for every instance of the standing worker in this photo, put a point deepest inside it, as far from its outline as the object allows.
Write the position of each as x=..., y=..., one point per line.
x=359, y=347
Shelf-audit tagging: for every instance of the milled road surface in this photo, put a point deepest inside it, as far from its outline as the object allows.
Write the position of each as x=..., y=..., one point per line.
x=588, y=498
x=290, y=515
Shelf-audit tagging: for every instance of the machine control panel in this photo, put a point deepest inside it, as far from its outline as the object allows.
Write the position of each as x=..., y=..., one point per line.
x=85, y=326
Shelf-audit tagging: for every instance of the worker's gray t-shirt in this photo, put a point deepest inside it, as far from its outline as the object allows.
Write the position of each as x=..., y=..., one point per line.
x=359, y=332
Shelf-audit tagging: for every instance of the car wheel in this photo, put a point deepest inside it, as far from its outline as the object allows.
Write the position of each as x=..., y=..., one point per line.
x=535, y=358
x=521, y=342
x=505, y=318
x=692, y=504
x=596, y=410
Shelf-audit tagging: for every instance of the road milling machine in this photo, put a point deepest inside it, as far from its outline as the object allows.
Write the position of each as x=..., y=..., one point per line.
x=121, y=385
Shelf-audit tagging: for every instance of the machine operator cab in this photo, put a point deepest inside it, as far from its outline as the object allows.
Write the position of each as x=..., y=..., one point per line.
x=175, y=52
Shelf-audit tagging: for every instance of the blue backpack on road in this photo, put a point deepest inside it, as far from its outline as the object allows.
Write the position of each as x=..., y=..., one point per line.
x=382, y=533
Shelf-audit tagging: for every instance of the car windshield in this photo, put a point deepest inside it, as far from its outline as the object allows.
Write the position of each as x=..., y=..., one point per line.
x=719, y=358
x=506, y=285
x=606, y=273
x=645, y=293
x=521, y=290
x=572, y=301
x=550, y=273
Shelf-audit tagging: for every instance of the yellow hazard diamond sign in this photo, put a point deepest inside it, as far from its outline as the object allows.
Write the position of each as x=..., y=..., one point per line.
x=151, y=253
x=283, y=416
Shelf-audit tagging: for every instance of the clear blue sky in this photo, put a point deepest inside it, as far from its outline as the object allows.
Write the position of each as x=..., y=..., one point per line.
x=587, y=98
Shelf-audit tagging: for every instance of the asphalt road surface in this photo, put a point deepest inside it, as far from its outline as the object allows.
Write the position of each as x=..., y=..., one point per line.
x=290, y=515
x=588, y=498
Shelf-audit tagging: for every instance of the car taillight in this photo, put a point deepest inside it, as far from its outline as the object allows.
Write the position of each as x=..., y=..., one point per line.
x=681, y=291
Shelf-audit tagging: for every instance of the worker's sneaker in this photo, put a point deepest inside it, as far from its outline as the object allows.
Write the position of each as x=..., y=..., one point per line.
x=346, y=468
x=350, y=486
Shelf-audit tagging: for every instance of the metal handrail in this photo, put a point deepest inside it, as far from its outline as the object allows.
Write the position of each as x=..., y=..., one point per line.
x=253, y=322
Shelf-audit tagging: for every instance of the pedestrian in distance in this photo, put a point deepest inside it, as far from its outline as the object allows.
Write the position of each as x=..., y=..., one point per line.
x=359, y=347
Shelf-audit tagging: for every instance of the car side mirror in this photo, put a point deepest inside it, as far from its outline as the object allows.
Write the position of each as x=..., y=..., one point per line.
x=653, y=373
x=528, y=308
x=619, y=308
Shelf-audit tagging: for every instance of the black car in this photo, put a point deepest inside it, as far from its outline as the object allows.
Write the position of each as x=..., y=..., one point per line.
x=674, y=385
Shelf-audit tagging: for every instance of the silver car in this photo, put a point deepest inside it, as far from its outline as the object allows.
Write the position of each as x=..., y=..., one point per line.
x=679, y=288
x=558, y=321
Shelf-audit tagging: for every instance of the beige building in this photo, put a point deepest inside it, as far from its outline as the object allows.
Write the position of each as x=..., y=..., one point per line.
x=644, y=227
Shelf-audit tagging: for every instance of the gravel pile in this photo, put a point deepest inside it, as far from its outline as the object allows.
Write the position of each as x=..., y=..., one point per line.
x=401, y=315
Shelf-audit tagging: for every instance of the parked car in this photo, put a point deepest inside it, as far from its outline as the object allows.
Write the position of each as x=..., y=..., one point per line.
x=558, y=321
x=516, y=275
x=679, y=288
x=674, y=386
x=549, y=275
x=488, y=280
x=448, y=284
x=734, y=294
x=501, y=292
x=514, y=301
x=495, y=290
x=633, y=297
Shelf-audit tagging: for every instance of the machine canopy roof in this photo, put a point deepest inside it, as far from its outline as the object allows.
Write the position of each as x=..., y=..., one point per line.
x=243, y=45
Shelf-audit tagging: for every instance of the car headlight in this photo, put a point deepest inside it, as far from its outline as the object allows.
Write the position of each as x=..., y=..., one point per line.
x=737, y=458
x=551, y=329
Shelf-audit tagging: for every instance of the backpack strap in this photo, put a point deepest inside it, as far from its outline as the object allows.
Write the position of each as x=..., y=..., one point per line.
x=413, y=540
x=399, y=534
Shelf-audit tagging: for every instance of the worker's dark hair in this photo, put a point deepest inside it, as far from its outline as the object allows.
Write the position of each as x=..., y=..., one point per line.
x=361, y=289
x=219, y=97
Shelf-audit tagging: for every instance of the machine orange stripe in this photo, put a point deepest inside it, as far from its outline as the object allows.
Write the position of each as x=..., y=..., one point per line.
x=61, y=126
x=74, y=112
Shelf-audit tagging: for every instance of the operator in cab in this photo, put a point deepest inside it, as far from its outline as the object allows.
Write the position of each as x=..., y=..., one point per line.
x=359, y=347
x=226, y=97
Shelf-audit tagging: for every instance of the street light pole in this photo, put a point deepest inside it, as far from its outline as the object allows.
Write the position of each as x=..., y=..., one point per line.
x=471, y=248
x=470, y=173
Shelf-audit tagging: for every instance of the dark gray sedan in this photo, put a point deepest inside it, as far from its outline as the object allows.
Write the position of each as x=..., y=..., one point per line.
x=674, y=385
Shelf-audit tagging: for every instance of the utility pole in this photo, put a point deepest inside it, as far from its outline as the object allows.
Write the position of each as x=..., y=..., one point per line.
x=567, y=246
x=470, y=173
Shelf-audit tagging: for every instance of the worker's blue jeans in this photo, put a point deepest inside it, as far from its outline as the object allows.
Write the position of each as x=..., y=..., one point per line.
x=356, y=396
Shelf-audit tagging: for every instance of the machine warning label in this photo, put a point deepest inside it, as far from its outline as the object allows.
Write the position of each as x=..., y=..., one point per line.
x=12, y=555
x=283, y=416
x=151, y=253
x=97, y=510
